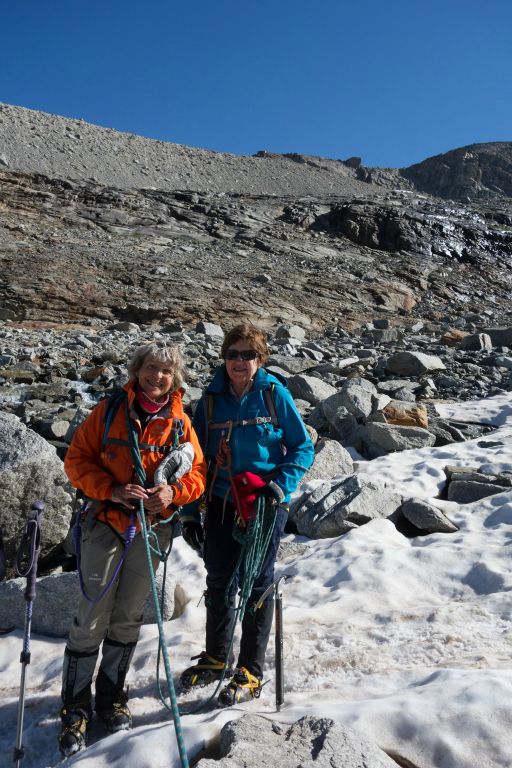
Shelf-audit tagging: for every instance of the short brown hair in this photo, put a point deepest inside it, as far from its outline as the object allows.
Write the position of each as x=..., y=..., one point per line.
x=247, y=332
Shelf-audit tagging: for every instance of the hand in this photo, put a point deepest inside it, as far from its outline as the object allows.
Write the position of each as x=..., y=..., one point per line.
x=128, y=494
x=193, y=534
x=159, y=498
x=268, y=492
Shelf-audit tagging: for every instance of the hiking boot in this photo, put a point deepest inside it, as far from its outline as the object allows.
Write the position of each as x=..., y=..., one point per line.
x=117, y=717
x=241, y=681
x=207, y=670
x=74, y=728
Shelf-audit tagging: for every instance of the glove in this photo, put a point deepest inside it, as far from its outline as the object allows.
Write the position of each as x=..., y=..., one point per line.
x=176, y=464
x=270, y=493
x=193, y=534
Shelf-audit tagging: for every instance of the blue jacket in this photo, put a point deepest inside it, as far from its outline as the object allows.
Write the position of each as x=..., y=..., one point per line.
x=285, y=450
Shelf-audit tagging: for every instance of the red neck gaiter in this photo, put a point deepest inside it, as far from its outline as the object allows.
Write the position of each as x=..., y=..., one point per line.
x=149, y=405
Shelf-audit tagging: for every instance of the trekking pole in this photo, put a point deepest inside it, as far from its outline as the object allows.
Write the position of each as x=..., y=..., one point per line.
x=2, y=557
x=278, y=607
x=28, y=553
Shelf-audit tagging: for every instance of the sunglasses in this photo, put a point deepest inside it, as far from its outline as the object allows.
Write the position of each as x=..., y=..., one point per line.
x=246, y=354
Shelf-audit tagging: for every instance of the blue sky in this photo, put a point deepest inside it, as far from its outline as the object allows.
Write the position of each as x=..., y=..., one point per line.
x=393, y=81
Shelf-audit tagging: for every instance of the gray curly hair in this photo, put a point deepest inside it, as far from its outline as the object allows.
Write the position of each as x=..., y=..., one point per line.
x=164, y=353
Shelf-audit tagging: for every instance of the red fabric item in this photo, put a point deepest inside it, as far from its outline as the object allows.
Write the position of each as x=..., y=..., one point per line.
x=244, y=486
x=147, y=404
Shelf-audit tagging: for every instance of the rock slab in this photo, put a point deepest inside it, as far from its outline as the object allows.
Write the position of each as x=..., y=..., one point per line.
x=255, y=742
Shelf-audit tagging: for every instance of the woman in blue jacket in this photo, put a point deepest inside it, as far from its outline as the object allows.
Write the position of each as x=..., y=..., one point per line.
x=246, y=422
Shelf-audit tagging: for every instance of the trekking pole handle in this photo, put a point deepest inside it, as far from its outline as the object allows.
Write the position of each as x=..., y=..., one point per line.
x=29, y=548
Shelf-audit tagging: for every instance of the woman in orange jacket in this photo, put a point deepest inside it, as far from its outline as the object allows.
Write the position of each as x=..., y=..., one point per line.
x=114, y=571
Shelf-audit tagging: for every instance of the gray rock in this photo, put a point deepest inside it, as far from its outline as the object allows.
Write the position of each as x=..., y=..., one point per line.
x=210, y=329
x=475, y=341
x=414, y=363
x=386, y=438
x=500, y=337
x=63, y=590
x=335, y=508
x=19, y=444
x=289, y=363
x=331, y=460
x=310, y=388
x=504, y=361
x=466, y=491
x=426, y=517
x=30, y=470
x=357, y=395
x=126, y=327
x=256, y=742
x=384, y=335
x=290, y=332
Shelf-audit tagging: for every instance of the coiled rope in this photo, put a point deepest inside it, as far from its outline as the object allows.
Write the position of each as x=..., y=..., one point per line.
x=141, y=476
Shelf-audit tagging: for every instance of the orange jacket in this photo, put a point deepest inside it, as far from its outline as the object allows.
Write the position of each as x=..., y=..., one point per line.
x=94, y=471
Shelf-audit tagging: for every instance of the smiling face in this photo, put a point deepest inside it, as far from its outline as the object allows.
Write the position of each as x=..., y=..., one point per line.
x=240, y=371
x=155, y=378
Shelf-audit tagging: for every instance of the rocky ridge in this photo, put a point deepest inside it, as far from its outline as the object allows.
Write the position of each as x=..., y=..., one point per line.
x=157, y=231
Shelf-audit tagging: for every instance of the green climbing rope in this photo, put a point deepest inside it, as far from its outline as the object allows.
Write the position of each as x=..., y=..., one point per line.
x=254, y=541
x=141, y=476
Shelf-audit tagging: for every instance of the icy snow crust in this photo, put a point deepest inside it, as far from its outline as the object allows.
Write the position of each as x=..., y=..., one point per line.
x=408, y=641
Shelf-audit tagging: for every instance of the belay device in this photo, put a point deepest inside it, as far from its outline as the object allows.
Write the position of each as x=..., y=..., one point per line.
x=26, y=566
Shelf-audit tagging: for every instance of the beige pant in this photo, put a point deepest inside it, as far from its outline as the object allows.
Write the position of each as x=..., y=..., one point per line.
x=119, y=613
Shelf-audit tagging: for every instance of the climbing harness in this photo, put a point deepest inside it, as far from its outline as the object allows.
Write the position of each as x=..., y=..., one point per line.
x=177, y=461
x=141, y=476
x=26, y=567
x=113, y=404
x=129, y=536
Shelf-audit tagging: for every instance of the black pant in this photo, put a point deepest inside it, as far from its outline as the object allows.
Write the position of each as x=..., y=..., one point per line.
x=221, y=556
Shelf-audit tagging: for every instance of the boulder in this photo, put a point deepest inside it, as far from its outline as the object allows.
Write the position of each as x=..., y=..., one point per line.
x=30, y=470
x=381, y=439
x=341, y=424
x=426, y=517
x=467, y=491
x=63, y=589
x=406, y=414
x=124, y=326
x=336, y=507
x=331, y=460
x=413, y=363
x=257, y=742
x=357, y=395
x=476, y=341
x=500, y=337
x=210, y=329
x=290, y=332
x=452, y=337
x=310, y=388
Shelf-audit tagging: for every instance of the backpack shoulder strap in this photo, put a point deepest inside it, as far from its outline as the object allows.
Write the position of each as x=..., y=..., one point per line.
x=270, y=402
x=113, y=403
